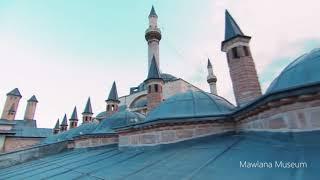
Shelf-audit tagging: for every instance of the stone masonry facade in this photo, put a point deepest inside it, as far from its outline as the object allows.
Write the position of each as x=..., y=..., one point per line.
x=171, y=134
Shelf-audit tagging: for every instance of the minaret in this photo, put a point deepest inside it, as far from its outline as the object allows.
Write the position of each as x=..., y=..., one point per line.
x=73, y=121
x=64, y=124
x=31, y=108
x=56, y=128
x=113, y=100
x=87, y=113
x=11, y=105
x=153, y=37
x=154, y=83
x=211, y=79
x=242, y=69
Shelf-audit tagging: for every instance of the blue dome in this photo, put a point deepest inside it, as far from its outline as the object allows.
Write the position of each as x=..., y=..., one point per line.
x=166, y=77
x=191, y=104
x=140, y=103
x=71, y=133
x=303, y=71
x=120, y=119
x=102, y=115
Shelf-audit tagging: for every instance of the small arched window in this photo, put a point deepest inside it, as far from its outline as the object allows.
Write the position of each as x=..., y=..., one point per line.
x=156, y=88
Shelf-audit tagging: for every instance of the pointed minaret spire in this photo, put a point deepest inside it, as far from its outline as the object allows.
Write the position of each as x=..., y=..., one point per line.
x=153, y=37
x=64, y=124
x=113, y=95
x=74, y=119
x=154, y=83
x=88, y=108
x=231, y=27
x=154, y=72
x=87, y=113
x=56, y=128
x=242, y=68
x=211, y=79
x=153, y=12
x=113, y=100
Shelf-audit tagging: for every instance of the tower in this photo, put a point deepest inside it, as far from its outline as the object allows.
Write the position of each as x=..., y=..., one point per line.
x=153, y=37
x=154, y=83
x=31, y=108
x=211, y=79
x=56, y=128
x=64, y=124
x=113, y=100
x=11, y=105
x=74, y=119
x=87, y=112
x=242, y=69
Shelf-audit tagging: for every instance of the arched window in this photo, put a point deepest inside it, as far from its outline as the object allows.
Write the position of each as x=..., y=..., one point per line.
x=156, y=88
x=235, y=53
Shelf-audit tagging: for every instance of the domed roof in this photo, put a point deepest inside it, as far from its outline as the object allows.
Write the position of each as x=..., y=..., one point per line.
x=104, y=114
x=191, y=104
x=140, y=103
x=86, y=128
x=302, y=71
x=120, y=119
x=166, y=77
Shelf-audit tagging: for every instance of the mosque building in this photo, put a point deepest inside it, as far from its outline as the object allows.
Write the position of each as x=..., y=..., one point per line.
x=167, y=128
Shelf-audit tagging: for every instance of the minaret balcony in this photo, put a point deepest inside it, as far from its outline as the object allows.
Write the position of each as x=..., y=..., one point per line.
x=153, y=33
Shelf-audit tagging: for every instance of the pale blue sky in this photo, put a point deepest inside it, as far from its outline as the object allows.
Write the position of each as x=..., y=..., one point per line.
x=64, y=51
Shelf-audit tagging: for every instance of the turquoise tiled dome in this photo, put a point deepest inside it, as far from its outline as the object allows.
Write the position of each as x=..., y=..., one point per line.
x=191, y=104
x=120, y=119
x=303, y=71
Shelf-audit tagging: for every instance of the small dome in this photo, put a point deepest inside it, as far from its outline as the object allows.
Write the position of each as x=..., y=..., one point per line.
x=120, y=119
x=303, y=71
x=140, y=103
x=71, y=133
x=191, y=104
x=168, y=77
x=102, y=115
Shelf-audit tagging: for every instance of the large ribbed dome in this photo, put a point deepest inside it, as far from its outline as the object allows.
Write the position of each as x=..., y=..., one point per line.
x=191, y=104
x=305, y=70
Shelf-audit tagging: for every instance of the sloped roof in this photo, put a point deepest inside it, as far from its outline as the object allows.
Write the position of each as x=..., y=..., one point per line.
x=153, y=12
x=14, y=92
x=231, y=27
x=74, y=115
x=153, y=72
x=88, y=108
x=302, y=71
x=64, y=121
x=25, y=128
x=113, y=95
x=205, y=158
x=209, y=64
x=57, y=126
x=33, y=99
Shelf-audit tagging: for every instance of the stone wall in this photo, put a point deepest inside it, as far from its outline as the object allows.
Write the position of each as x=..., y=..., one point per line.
x=171, y=134
x=17, y=143
x=297, y=116
x=17, y=157
x=95, y=141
